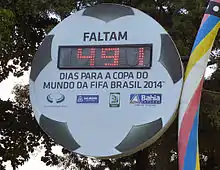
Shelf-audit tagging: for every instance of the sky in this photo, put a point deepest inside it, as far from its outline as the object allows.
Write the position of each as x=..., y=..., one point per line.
x=35, y=163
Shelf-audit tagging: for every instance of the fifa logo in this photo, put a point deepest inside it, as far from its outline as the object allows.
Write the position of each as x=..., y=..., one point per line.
x=114, y=100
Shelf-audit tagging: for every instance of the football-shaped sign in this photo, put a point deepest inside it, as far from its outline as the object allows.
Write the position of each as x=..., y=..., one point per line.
x=106, y=81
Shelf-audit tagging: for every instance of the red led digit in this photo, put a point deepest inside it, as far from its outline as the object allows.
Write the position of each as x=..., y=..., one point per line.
x=141, y=57
x=115, y=57
x=91, y=56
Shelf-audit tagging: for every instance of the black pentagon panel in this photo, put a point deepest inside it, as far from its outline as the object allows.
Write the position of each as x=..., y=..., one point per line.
x=42, y=57
x=211, y=9
x=108, y=12
x=59, y=132
x=169, y=58
x=139, y=134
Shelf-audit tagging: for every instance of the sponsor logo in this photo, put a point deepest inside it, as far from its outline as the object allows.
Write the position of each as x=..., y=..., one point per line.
x=114, y=100
x=55, y=98
x=145, y=99
x=87, y=99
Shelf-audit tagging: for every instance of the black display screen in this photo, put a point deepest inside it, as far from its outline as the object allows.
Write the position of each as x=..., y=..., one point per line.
x=101, y=57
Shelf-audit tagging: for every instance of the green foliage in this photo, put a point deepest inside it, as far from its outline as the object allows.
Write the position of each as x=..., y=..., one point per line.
x=6, y=25
x=6, y=29
x=27, y=29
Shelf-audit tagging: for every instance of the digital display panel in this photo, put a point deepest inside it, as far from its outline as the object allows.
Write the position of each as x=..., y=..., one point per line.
x=102, y=57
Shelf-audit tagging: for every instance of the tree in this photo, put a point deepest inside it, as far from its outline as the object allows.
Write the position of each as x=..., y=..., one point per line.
x=19, y=132
x=24, y=24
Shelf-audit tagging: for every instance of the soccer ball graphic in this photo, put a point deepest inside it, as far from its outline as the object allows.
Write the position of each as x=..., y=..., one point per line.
x=106, y=121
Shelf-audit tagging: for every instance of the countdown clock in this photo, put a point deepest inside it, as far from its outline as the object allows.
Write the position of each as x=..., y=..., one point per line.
x=106, y=81
x=105, y=57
